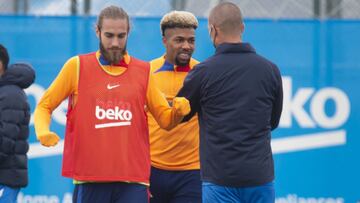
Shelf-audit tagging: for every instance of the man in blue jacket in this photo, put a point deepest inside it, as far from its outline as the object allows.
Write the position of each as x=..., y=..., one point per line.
x=238, y=97
x=14, y=126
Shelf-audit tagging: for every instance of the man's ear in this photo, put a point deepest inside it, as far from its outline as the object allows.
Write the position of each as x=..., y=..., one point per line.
x=97, y=31
x=242, y=28
x=164, y=40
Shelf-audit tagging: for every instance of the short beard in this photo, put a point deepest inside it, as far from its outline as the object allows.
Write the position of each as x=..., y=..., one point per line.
x=112, y=58
x=179, y=63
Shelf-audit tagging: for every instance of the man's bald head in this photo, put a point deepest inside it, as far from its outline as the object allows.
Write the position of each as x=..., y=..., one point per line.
x=227, y=17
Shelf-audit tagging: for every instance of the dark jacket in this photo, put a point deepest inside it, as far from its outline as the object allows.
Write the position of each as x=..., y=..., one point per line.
x=14, y=124
x=238, y=96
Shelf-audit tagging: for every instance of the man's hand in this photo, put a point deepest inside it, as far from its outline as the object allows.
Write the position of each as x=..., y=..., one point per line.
x=48, y=139
x=182, y=106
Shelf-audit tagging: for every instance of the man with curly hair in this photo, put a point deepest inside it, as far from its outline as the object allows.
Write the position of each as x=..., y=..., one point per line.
x=175, y=174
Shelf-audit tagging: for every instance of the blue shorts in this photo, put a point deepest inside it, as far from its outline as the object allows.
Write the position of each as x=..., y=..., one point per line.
x=175, y=186
x=117, y=192
x=8, y=194
x=218, y=194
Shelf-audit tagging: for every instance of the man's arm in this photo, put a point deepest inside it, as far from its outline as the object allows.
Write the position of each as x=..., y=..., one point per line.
x=191, y=89
x=64, y=85
x=166, y=116
x=278, y=103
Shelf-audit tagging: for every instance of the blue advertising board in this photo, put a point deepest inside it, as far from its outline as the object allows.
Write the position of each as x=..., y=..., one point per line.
x=316, y=145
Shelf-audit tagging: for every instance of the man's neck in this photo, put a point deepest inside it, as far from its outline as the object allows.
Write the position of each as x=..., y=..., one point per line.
x=169, y=61
x=228, y=39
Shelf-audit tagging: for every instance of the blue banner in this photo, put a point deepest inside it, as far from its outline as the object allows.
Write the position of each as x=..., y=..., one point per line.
x=316, y=146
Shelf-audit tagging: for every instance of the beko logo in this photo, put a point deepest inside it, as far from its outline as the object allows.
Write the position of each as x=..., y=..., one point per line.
x=121, y=117
x=293, y=107
x=315, y=117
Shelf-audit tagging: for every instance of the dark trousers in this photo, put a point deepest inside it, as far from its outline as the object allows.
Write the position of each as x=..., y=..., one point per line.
x=175, y=186
x=117, y=192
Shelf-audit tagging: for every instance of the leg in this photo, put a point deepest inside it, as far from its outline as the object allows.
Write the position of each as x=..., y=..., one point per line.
x=212, y=193
x=159, y=185
x=75, y=193
x=130, y=193
x=8, y=194
x=260, y=194
x=187, y=187
x=94, y=193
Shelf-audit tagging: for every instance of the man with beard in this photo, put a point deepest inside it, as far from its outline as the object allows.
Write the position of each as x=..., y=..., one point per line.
x=106, y=147
x=175, y=171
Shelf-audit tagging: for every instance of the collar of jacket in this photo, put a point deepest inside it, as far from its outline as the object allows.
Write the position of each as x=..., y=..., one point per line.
x=20, y=74
x=167, y=66
x=234, y=48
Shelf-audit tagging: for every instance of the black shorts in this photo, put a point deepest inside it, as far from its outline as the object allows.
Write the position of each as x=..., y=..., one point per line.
x=175, y=186
x=117, y=192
